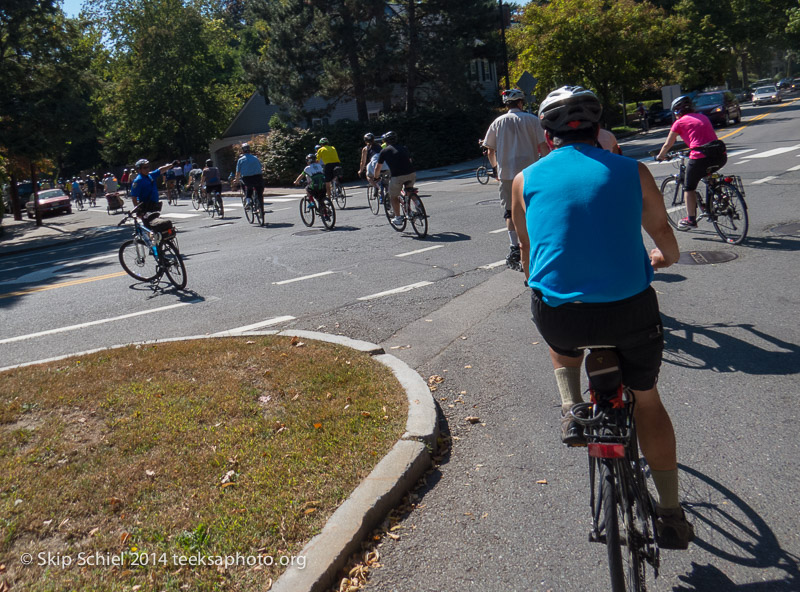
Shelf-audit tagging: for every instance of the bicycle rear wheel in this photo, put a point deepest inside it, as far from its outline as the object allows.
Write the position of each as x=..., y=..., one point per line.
x=306, y=212
x=372, y=200
x=387, y=208
x=173, y=265
x=196, y=200
x=217, y=207
x=79, y=204
x=729, y=213
x=674, y=201
x=138, y=261
x=327, y=213
x=419, y=218
x=340, y=195
x=483, y=175
x=608, y=509
x=248, y=210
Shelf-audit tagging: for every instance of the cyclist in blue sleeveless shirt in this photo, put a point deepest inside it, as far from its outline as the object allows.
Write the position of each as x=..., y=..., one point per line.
x=579, y=214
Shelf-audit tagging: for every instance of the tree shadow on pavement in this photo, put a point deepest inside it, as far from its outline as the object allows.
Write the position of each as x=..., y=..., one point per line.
x=713, y=347
x=732, y=531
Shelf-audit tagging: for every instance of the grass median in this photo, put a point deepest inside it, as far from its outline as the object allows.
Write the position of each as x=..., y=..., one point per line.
x=202, y=465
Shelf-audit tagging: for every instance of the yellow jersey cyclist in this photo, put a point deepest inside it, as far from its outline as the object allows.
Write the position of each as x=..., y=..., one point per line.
x=329, y=158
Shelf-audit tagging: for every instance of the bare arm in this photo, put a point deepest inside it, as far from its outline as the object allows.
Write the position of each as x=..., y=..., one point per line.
x=668, y=143
x=654, y=222
x=491, y=154
x=544, y=149
x=518, y=217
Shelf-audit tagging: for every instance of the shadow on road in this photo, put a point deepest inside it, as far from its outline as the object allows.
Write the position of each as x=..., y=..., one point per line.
x=729, y=529
x=712, y=347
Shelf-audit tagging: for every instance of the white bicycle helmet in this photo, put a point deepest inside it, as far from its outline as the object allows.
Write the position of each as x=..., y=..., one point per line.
x=511, y=95
x=570, y=108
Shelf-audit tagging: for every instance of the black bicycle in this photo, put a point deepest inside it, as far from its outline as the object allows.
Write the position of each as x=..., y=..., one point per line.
x=723, y=203
x=254, y=212
x=78, y=199
x=412, y=210
x=377, y=196
x=486, y=169
x=320, y=205
x=212, y=204
x=623, y=512
x=153, y=251
x=337, y=189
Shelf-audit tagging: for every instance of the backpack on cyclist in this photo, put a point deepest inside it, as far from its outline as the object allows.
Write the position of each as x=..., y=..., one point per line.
x=316, y=183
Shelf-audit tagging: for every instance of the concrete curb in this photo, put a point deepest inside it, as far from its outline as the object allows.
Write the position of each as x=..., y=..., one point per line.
x=382, y=490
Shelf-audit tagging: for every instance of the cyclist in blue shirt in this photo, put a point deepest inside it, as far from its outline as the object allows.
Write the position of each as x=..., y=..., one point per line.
x=251, y=173
x=144, y=189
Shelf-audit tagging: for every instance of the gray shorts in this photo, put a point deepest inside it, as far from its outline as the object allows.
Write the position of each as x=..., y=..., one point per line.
x=505, y=194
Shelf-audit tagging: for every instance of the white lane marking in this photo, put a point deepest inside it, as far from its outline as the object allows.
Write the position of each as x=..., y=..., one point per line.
x=493, y=265
x=48, y=272
x=396, y=290
x=740, y=152
x=177, y=215
x=419, y=251
x=764, y=180
x=775, y=151
x=254, y=326
x=741, y=162
x=98, y=322
x=74, y=261
x=283, y=199
x=280, y=209
x=300, y=279
x=499, y=230
x=795, y=168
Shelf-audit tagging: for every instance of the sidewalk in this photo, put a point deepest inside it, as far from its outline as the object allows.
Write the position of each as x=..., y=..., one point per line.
x=18, y=236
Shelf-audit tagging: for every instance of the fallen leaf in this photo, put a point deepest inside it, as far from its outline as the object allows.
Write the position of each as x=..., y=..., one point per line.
x=94, y=531
x=295, y=340
x=229, y=476
x=468, y=366
x=309, y=511
x=47, y=522
x=224, y=485
x=319, y=425
x=472, y=419
x=463, y=337
x=396, y=537
x=542, y=482
x=123, y=538
x=366, y=414
x=295, y=397
x=249, y=342
x=484, y=515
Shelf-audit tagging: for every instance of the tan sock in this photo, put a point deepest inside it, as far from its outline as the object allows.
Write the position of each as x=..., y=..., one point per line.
x=569, y=386
x=666, y=483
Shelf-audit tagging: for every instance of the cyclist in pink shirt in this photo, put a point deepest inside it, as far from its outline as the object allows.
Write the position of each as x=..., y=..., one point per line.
x=706, y=150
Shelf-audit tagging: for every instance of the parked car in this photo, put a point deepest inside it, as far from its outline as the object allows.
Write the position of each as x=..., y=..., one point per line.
x=719, y=106
x=795, y=84
x=657, y=115
x=784, y=83
x=50, y=201
x=766, y=94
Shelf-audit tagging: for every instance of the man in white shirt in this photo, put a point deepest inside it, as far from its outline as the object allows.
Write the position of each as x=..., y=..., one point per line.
x=514, y=141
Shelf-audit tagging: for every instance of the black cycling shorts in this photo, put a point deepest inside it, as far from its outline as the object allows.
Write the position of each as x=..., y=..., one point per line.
x=633, y=326
x=698, y=168
x=330, y=171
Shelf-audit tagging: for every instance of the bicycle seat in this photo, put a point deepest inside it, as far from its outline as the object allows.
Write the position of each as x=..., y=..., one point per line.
x=713, y=169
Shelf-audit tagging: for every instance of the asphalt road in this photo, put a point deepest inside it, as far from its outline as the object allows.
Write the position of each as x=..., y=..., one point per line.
x=484, y=521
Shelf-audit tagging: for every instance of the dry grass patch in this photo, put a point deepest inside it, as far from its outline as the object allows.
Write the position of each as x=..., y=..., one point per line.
x=208, y=448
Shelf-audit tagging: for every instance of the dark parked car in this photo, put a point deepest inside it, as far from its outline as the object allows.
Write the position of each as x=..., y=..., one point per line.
x=719, y=106
x=657, y=115
x=743, y=95
x=50, y=201
x=784, y=83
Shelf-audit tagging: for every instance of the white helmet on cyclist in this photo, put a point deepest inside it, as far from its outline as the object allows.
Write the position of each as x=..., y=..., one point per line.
x=323, y=141
x=141, y=162
x=246, y=148
x=311, y=158
x=570, y=108
x=513, y=95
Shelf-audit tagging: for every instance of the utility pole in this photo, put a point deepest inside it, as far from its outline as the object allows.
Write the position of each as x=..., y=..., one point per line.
x=503, y=32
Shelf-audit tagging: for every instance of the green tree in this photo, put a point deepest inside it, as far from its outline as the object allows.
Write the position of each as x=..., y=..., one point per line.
x=174, y=80
x=38, y=97
x=607, y=45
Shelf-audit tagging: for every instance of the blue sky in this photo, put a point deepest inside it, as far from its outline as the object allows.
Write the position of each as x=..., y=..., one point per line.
x=72, y=7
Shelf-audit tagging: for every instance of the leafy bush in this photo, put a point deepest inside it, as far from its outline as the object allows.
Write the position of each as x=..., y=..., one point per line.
x=435, y=138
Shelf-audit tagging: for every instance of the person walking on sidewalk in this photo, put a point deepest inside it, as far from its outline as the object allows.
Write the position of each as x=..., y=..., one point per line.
x=579, y=214
x=513, y=141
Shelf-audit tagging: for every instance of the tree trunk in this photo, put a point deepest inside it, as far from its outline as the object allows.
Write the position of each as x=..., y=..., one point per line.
x=745, y=81
x=355, y=68
x=411, y=62
x=15, y=207
x=37, y=213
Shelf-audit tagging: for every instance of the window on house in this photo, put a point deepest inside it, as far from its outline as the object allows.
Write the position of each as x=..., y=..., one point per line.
x=373, y=115
x=319, y=122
